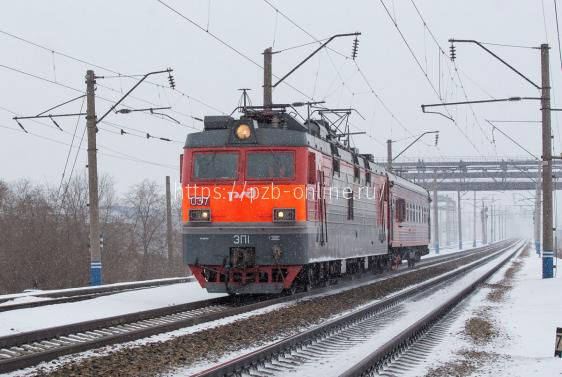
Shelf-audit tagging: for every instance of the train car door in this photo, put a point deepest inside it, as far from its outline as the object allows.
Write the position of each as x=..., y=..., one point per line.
x=324, y=179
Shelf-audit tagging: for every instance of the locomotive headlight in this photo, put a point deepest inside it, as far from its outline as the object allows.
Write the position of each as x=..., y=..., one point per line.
x=284, y=214
x=243, y=132
x=199, y=215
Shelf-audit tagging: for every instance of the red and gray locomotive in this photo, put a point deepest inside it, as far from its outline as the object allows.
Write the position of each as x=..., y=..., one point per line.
x=273, y=204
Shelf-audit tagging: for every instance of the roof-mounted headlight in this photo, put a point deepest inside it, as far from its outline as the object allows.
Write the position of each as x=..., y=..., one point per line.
x=243, y=132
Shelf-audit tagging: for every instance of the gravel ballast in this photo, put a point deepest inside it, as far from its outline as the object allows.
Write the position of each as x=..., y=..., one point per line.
x=210, y=344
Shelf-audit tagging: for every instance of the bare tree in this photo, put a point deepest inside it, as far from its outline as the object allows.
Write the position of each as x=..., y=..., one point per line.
x=147, y=217
x=44, y=234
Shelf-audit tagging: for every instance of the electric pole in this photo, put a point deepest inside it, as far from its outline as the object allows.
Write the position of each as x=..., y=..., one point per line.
x=91, y=119
x=548, y=247
x=267, y=73
x=169, y=225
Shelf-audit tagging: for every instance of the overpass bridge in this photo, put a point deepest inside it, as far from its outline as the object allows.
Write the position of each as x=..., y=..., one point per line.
x=475, y=174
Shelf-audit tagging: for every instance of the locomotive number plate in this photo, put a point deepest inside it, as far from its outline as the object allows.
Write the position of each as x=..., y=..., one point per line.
x=241, y=239
x=199, y=200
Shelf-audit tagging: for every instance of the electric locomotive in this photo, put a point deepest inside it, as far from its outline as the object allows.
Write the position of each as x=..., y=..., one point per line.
x=273, y=204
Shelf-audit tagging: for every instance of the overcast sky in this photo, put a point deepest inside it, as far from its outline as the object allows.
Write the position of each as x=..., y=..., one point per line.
x=135, y=37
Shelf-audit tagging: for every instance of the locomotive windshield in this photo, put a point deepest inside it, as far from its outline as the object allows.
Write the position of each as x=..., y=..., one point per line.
x=215, y=165
x=264, y=165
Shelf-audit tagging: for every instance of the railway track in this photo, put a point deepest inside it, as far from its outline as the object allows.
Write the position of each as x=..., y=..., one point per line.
x=86, y=293
x=30, y=348
x=313, y=348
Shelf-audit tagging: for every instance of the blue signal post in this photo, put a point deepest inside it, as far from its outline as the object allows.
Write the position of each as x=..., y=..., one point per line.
x=95, y=273
x=547, y=264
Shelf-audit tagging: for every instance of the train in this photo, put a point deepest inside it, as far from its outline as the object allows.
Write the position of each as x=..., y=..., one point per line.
x=274, y=203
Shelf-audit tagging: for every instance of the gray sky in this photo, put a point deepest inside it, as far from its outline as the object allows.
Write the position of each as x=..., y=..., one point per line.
x=134, y=37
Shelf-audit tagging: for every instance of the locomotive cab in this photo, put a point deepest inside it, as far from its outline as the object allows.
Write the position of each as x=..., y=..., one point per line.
x=244, y=208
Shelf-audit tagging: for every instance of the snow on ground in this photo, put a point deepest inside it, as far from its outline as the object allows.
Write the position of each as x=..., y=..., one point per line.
x=412, y=312
x=34, y=292
x=450, y=249
x=29, y=319
x=52, y=365
x=145, y=299
x=409, y=311
x=526, y=321
x=24, y=300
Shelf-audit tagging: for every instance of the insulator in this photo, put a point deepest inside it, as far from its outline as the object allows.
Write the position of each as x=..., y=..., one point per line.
x=148, y=136
x=436, y=139
x=355, y=48
x=21, y=126
x=56, y=124
x=122, y=132
x=171, y=81
x=453, y=52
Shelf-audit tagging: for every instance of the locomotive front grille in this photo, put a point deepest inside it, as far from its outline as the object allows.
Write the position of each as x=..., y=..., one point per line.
x=242, y=257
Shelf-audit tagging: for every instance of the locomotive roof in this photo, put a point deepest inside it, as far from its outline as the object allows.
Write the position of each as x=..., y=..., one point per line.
x=407, y=184
x=284, y=130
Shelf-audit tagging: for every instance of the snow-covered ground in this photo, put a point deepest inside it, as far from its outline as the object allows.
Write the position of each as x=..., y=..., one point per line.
x=450, y=249
x=525, y=321
x=30, y=319
x=115, y=304
x=399, y=318
x=35, y=292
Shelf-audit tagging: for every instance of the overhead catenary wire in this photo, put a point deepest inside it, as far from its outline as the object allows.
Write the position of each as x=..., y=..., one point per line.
x=73, y=164
x=277, y=10
x=228, y=45
x=338, y=72
x=70, y=150
x=153, y=104
x=470, y=106
x=118, y=74
x=372, y=91
x=544, y=21
x=32, y=75
x=300, y=45
x=558, y=33
x=125, y=156
x=418, y=63
x=378, y=97
x=456, y=69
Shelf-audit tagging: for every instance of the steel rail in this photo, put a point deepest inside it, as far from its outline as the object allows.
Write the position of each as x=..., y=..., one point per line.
x=382, y=356
x=30, y=348
x=263, y=355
